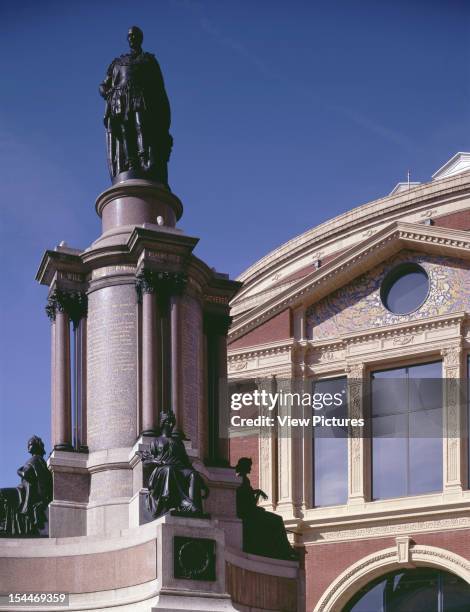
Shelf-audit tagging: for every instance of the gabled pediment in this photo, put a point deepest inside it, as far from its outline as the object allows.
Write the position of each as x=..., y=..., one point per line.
x=460, y=162
x=356, y=261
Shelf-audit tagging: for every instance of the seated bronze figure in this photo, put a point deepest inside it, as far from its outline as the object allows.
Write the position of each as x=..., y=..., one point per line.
x=173, y=484
x=263, y=532
x=23, y=508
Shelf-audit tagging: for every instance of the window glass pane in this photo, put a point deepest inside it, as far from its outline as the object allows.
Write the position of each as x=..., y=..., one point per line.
x=425, y=465
x=456, y=593
x=371, y=600
x=330, y=449
x=415, y=590
x=405, y=289
x=389, y=392
x=389, y=473
x=425, y=386
x=407, y=431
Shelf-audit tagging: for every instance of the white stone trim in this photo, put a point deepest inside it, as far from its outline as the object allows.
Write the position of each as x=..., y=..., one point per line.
x=356, y=260
x=343, y=232
x=370, y=567
x=386, y=526
x=427, y=200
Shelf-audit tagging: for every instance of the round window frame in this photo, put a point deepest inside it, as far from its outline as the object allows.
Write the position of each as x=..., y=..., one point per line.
x=393, y=275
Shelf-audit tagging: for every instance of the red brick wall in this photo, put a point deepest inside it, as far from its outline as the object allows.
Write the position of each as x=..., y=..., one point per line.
x=459, y=220
x=277, y=328
x=325, y=562
x=261, y=591
x=246, y=446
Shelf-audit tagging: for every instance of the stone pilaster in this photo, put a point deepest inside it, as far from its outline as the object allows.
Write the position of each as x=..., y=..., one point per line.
x=81, y=339
x=154, y=287
x=455, y=474
x=63, y=308
x=63, y=406
x=300, y=324
x=289, y=452
x=216, y=326
x=358, y=442
x=267, y=457
x=51, y=313
x=150, y=375
x=174, y=285
x=175, y=349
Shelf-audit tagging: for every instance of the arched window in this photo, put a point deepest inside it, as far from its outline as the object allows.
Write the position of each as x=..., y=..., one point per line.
x=422, y=589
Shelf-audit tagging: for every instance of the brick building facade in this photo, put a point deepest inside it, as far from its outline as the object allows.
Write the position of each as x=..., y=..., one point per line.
x=316, y=309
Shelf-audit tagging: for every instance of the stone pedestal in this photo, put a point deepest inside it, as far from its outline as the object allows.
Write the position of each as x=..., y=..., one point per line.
x=138, y=201
x=145, y=298
x=191, y=565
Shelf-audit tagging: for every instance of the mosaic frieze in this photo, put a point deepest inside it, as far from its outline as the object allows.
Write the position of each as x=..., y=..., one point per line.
x=357, y=306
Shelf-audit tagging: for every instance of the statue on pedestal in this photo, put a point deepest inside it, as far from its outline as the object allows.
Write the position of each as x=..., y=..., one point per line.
x=173, y=484
x=23, y=508
x=137, y=116
x=263, y=532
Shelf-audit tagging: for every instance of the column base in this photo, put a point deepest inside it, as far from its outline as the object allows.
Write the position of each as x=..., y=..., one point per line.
x=148, y=433
x=64, y=447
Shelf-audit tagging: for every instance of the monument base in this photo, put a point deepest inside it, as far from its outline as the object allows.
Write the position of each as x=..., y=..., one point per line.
x=174, y=602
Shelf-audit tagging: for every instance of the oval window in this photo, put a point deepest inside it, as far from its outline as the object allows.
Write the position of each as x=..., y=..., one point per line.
x=405, y=288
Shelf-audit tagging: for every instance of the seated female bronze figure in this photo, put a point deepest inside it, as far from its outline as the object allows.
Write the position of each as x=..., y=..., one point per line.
x=23, y=508
x=263, y=532
x=173, y=484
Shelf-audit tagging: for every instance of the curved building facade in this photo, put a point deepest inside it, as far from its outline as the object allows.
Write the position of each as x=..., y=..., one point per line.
x=378, y=294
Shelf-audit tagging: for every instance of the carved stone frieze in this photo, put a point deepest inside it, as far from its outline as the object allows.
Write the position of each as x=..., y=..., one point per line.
x=388, y=528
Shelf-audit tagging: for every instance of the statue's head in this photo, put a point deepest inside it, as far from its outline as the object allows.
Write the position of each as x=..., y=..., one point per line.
x=36, y=446
x=135, y=36
x=243, y=466
x=167, y=422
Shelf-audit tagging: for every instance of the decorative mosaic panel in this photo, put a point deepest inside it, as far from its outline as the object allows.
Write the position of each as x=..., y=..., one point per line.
x=357, y=306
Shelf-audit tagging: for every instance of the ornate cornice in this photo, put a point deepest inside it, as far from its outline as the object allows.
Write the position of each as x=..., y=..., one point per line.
x=422, y=201
x=236, y=355
x=355, y=261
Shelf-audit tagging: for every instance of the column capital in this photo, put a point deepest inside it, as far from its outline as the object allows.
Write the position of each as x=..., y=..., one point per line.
x=73, y=303
x=452, y=355
x=355, y=370
x=169, y=283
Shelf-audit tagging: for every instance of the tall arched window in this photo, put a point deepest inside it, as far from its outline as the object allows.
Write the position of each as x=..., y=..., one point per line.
x=422, y=589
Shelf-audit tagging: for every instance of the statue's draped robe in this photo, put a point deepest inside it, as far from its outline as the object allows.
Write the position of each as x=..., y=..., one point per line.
x=173, y=483
x=263, y=532
x=22, y=509
x=134, y=86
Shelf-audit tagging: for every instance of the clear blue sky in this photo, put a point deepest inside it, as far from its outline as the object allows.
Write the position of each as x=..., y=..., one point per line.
x=284, y=114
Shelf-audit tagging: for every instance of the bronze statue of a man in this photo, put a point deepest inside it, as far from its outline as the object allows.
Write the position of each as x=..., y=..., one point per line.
x=23, y=508
x=137, y=116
